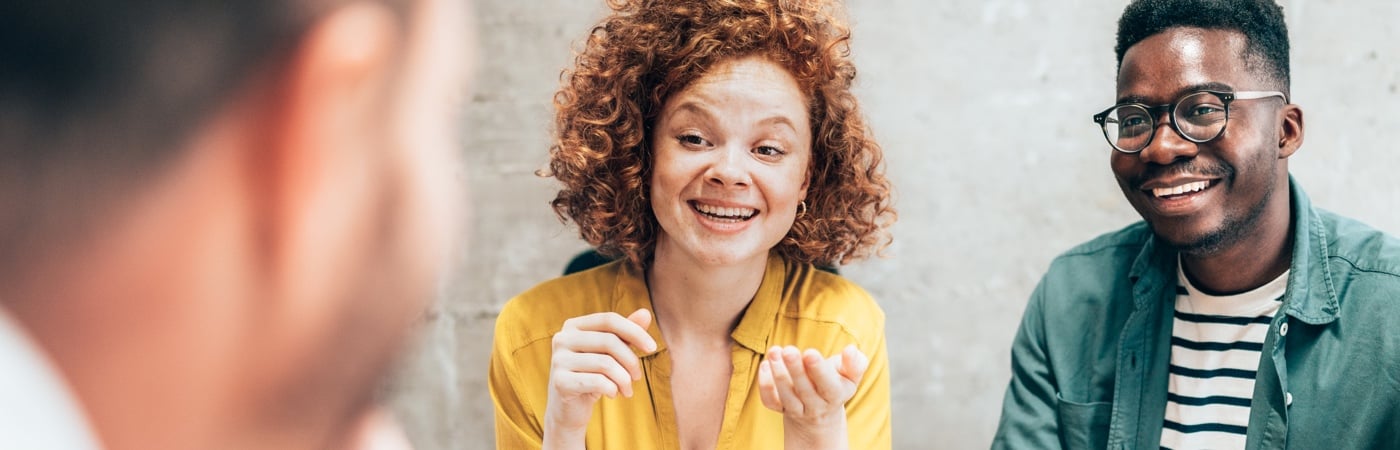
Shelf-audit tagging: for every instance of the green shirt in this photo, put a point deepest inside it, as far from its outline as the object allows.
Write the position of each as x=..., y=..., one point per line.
x=1089, y=363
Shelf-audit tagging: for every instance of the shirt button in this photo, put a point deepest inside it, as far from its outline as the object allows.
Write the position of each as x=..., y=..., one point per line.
x=1283, y=329
x=1287, y=399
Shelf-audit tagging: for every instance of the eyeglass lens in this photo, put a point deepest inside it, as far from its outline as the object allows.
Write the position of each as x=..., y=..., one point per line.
x=1199, y=117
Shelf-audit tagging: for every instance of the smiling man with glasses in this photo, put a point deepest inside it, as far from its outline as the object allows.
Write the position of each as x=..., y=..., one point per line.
x=1235, y=315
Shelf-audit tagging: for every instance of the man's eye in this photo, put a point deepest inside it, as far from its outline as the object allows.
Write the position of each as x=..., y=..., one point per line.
x=1129, y=122
x=1205, y=110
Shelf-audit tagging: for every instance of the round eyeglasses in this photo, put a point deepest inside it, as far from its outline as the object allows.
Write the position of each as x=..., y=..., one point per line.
x=1199, y=117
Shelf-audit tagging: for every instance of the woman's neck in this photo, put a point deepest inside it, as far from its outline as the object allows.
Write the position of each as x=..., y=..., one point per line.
x=701, y=301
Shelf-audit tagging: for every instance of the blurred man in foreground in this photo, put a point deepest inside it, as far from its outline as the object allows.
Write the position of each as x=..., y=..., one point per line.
x=218, y=220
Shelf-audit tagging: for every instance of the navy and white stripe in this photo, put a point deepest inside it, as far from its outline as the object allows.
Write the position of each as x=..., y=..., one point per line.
x=1216, y=345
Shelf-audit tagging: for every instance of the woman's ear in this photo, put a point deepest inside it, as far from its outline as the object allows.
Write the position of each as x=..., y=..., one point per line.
x=806, y=183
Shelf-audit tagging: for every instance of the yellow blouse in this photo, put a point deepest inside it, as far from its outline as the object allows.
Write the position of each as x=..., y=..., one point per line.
x=796, y=304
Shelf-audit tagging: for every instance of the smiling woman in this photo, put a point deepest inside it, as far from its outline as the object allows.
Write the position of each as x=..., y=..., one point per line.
x=732, y=153
x=715, y=147
x=636, y=59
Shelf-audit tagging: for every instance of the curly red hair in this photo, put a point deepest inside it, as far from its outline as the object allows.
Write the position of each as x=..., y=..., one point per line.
x=647, y=50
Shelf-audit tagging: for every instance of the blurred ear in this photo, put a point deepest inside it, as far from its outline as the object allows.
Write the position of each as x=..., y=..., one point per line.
x=1291, y=132
x=315, y=177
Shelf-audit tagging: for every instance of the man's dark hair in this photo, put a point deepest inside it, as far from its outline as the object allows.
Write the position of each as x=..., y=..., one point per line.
x=98, y=96
x=120, y=81
x=1260, y=21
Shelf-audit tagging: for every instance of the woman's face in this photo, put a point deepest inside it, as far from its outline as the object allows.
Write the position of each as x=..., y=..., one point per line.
x=731, y=157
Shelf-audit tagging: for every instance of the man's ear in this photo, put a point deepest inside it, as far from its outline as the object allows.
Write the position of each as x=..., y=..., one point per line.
x=1290, y=136
x=313, y=179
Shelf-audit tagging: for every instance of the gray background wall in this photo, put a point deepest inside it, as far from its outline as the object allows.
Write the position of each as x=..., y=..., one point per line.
x=983, y=109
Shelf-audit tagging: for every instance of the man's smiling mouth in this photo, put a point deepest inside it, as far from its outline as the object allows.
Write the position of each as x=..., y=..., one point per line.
x=1181, y=190
x=1179, y=196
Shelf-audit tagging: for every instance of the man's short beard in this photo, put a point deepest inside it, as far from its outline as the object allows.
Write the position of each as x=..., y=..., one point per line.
x=1232, y=231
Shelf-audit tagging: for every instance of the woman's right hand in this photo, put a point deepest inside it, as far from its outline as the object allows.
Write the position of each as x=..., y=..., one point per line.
x=592, y=357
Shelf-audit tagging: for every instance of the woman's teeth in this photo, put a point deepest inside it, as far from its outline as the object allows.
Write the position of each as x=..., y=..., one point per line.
x=726, y=212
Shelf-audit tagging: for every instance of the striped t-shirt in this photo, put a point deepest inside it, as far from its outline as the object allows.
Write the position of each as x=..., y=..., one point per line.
x=1216, y=344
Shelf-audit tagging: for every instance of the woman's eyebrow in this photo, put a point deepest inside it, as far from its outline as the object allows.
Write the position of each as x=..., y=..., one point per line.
x=694, y=107
x=779, y=119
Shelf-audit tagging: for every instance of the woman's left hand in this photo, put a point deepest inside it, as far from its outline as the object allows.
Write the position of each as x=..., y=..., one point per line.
x=811, y=391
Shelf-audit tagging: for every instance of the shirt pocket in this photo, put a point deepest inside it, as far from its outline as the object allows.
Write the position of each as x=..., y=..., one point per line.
x=1083, y=425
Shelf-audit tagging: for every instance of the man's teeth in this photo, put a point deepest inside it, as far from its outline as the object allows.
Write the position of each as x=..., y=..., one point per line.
x=1183, y=189
x=736, y=213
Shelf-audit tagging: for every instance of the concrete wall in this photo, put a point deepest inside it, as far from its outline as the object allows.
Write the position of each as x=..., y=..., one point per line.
x=983, y=206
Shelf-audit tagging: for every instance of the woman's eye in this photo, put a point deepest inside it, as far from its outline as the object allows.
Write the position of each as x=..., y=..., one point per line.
x=691, y=139
x=768, y=151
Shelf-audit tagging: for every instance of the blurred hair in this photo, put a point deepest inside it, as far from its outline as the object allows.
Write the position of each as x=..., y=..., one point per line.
x=647, y=50
x=1260, y=21
x=97, y=96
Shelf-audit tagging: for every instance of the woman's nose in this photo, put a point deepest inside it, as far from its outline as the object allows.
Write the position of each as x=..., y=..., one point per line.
x=728, y=167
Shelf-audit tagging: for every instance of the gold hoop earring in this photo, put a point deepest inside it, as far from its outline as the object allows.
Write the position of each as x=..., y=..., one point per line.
x=802, y=208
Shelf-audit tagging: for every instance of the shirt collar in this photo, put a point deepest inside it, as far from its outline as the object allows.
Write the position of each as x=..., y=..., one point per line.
x=630, y=295
x=1312, y=296
x=1152, y=272
x=40, y=410
x=755, y=325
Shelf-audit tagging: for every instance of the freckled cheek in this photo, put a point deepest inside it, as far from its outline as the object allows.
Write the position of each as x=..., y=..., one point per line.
x=669, y=178
x=784, y=192
x=659, y=190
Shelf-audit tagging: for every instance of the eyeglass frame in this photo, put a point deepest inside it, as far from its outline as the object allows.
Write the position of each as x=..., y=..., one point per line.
x=1153, y=111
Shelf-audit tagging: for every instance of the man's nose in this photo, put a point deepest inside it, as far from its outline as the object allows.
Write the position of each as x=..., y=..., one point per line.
x=1167, y=145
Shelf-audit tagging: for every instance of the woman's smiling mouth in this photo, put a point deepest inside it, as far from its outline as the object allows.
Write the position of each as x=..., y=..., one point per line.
x=724, y=214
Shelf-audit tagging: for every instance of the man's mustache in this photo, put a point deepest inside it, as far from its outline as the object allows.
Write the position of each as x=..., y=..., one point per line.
x=1189, y=167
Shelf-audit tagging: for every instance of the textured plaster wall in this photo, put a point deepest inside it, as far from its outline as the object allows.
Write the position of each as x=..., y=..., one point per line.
x=983, y=109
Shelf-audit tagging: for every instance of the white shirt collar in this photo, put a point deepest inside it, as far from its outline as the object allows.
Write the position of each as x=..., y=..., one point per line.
x=39, y=411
